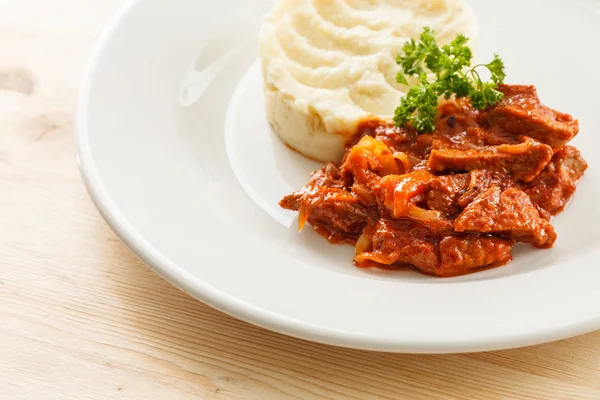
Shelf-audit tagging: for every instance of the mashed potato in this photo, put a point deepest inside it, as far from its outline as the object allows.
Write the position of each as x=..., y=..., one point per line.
x=328, y=64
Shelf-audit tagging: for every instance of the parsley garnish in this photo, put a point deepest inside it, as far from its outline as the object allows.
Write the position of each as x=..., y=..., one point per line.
x=450, y=65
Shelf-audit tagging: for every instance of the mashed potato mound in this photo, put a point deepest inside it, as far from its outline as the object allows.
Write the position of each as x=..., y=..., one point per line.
x=328, y=64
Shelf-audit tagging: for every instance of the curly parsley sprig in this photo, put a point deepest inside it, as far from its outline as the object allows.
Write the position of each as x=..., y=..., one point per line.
x=454, y=76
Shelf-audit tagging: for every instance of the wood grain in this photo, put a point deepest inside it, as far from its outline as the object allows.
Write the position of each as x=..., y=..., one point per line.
x=82, y=318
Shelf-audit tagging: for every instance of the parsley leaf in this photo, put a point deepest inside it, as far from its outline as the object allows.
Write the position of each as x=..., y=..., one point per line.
x=496, y=67
x=401, y=78
x=486, y=95
x=420, y=102
x=450, y=65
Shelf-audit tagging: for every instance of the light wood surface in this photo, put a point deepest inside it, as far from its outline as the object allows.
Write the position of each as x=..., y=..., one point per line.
x=82, y=318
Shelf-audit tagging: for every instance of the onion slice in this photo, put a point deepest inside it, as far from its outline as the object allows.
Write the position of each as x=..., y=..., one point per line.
x=303, y=215
x=403, y=158
x=423, y=215
x=515, y=148
x=363, y=244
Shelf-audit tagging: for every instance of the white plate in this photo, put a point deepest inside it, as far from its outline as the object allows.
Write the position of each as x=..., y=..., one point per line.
x=176, y=153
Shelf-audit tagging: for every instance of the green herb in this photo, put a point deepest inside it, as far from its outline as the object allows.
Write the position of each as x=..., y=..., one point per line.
x=453, y=77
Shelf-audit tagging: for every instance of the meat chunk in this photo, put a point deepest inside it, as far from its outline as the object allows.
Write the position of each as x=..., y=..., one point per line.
x=480, y=181
x=510, y=213
x=328, y=206
x=444, y=193
x=552, y=190
x=521, y=113
x=364, y=194
x=393, y=244
x=331, y=210
x=326, y=177
x=461, y=254
x=455, y=117
x=569, y=163
x=523, y=162
x=385, y=131
x=393, y=137
x=474, y=138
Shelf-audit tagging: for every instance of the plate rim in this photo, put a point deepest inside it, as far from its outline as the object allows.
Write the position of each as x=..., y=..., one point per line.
x=235, y=307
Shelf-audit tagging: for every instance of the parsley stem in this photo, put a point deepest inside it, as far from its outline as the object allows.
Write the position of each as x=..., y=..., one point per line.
x=477, y=77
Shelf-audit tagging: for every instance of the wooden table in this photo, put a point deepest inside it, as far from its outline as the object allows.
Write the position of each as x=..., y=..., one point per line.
x=82, y=318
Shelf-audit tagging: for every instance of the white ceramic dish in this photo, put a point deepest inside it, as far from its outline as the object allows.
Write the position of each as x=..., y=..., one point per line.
x=175, y=150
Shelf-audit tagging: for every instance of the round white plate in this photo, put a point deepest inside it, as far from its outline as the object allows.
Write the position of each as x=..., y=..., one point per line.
x=176, y=152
